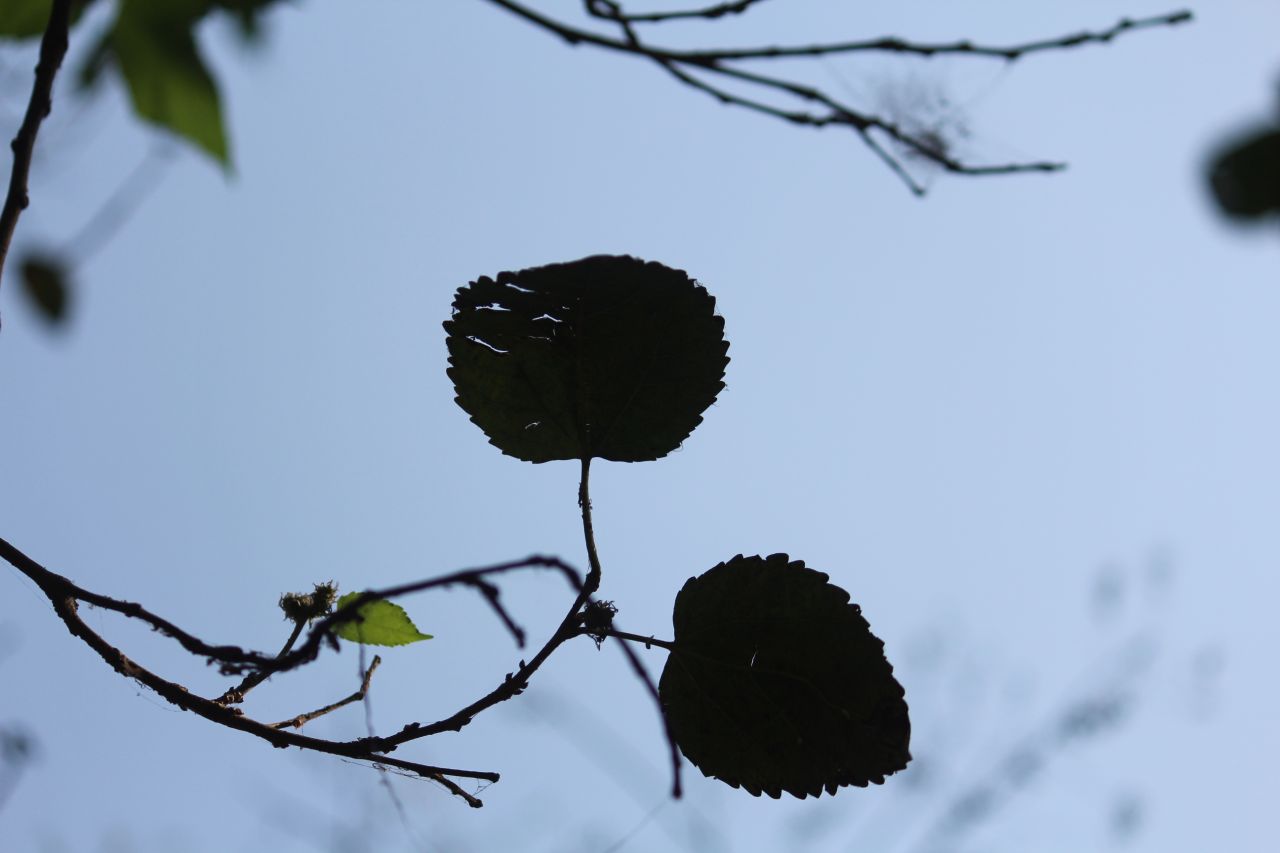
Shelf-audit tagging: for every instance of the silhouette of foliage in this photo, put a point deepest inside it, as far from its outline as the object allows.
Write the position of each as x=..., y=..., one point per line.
x=776, y=683
x=1245, y=176
x=606, y=357
x=46, y=284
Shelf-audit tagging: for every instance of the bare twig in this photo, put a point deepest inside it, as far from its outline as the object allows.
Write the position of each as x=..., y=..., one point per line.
x=491, y=595
x=637, y=666
x=115, y=212
x=515, y=682
x=235, y=695
x=891, y=44
x=648, y=642
x=709, y=13
x=53, y=47
x=302, y=719
x=681, y=64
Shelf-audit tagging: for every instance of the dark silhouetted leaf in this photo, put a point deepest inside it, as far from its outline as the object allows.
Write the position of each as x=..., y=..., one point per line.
x=1246, y=176
x=777, y=683
x=380, y=623
x=606, y=357
x=47, y=285
x=169, y=85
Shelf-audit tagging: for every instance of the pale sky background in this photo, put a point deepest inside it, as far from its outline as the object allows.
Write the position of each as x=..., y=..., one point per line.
x=1030, y=423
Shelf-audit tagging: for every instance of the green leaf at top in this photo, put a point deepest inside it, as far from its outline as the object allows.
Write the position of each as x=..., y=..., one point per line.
x=22, y=19
x=607, y=357
x=379, y=623
x=776, y=682
x=153, y=42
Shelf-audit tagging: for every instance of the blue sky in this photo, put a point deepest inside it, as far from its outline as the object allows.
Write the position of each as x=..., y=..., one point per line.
x=970, y=410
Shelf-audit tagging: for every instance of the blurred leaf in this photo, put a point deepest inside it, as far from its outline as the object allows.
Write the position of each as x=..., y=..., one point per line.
x=46, y=283
x=607, y=357
x=247, y=15
x=154, y=45
x=380, y=623
x=777, y=683
x=1245, y=177
x=94, y=61
x=16, y=747
x=22, y=19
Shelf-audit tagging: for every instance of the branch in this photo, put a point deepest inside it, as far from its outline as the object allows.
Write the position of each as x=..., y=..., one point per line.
x=302, y=719
x=892, y=44
x=235, y=695
x=680, y=63
x=643, y=674
x=648, y=642
x=53, y=47
x=514, y=683
x=65, y=597
x=597, y=9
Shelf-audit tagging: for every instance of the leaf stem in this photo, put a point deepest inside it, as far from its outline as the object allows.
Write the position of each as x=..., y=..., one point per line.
x=638, y=638
x=588, y=533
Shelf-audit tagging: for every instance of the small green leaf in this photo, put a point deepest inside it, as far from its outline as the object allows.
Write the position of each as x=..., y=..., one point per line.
x=46, y=283
x=776, y=682
x=379, y=623
x=607, y=357
x=169, y=84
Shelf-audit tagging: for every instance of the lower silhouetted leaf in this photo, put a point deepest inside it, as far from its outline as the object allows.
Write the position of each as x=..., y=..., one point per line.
x=47, y=285
x=379, y=623
x=776, y=682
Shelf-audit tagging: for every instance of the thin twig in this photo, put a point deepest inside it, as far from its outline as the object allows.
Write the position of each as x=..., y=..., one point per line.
x=119, y=207
x=515, y=682
x=709, y=13
x=53, y=47
x=892, y=44
x=302, y=719
x=637, y=666
x=648, y=642
x=680, y=63
x=235, y=695
x=492, y=595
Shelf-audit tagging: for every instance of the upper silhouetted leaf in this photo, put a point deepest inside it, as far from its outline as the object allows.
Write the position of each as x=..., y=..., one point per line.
x=169, y=85
x=607, y=357
x=21, y=19
x=380, y=623
x=1246, y=176
x=777, y=683
x=47, y=285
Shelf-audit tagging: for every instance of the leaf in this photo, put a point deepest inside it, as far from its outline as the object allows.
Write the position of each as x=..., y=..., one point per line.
x=46, y=283
x=169, y=84
x=379, y=623
x=23, y=19
x=607, y=357
x=776, y=682
x=1246, y=176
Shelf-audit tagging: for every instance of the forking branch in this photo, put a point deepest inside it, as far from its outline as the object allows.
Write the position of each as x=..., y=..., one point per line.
x=798, y=103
